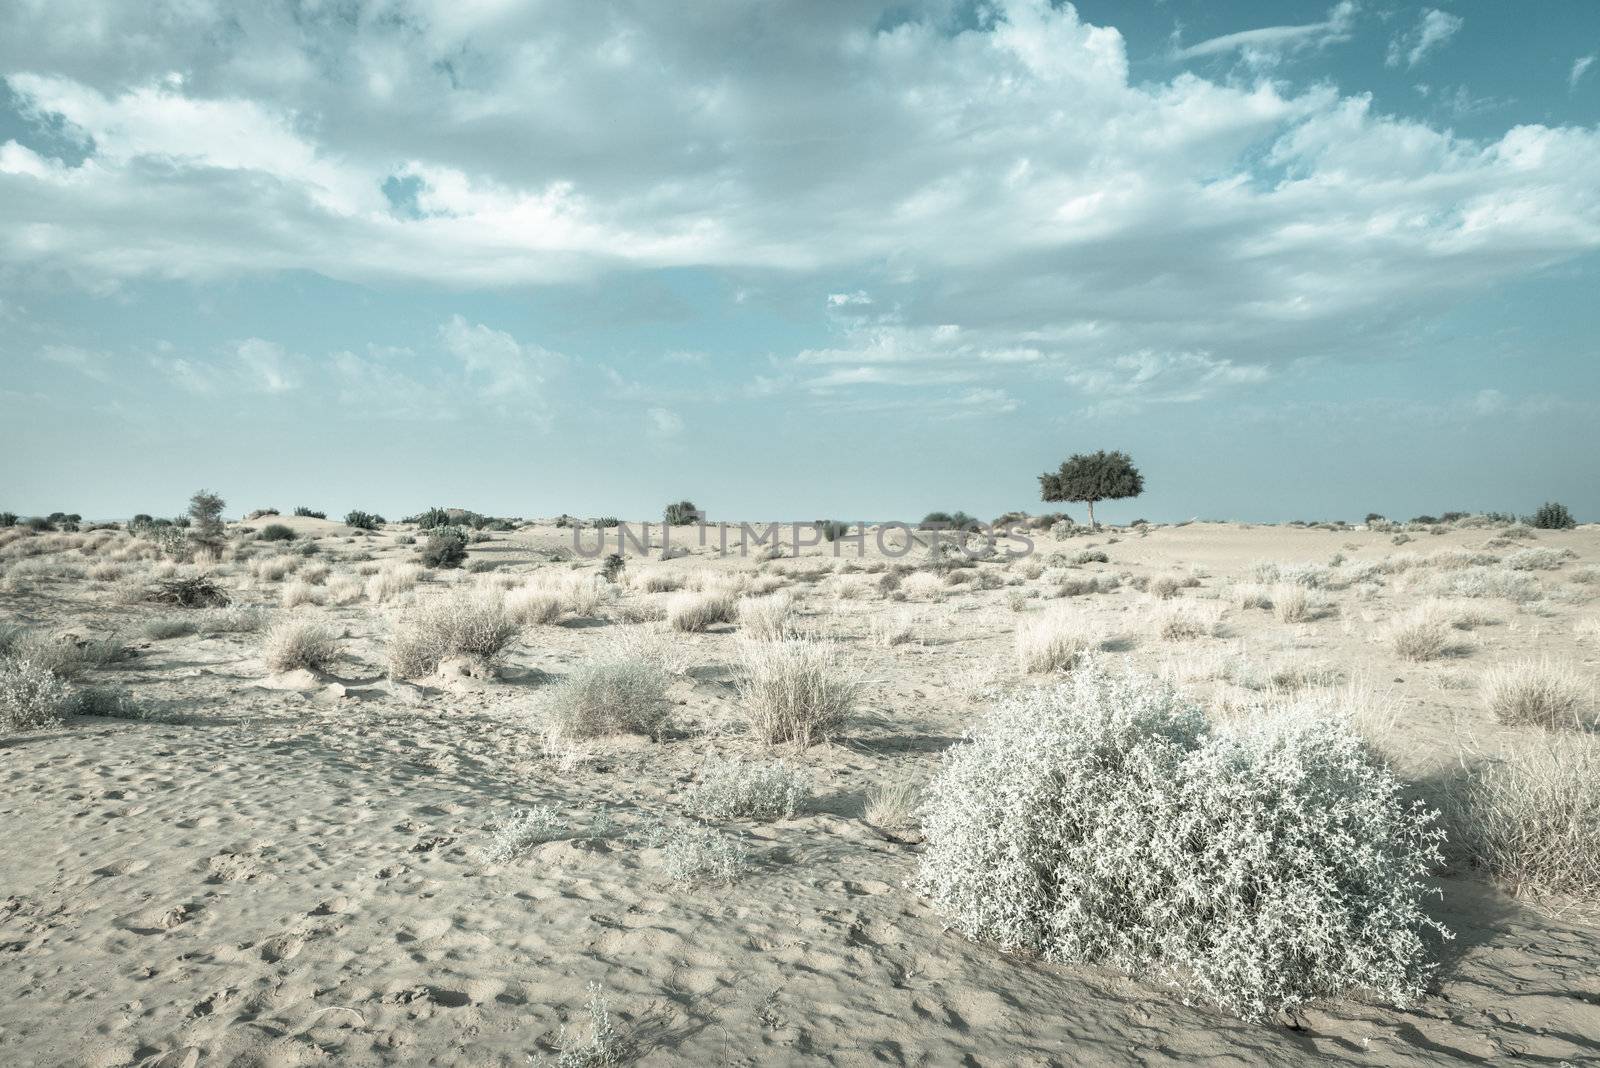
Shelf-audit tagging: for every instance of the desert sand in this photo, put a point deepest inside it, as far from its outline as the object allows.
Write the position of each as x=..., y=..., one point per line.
x=289, y=870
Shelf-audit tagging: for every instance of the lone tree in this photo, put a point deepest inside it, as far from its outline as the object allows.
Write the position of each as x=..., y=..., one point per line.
x=205, y=517
x=1090, y=477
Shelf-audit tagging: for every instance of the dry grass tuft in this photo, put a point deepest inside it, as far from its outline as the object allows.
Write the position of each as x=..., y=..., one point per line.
x=1055, y=639
x=1539, y=693
x=293, y=644
x=691, y=612
x=797, y=690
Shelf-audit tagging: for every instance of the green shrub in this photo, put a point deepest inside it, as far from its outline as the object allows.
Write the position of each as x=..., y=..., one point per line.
x=275, y=532
x=446, y=547
x=302, y=510
x=1553, y=516
x=680, y=513
x=363, y=520
x=8, y=519
x=832, y=529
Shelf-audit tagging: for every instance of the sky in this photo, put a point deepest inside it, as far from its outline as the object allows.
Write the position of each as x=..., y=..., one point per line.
x=794, y=260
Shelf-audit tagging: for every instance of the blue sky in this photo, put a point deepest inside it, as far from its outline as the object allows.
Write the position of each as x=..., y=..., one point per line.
x=798, y=260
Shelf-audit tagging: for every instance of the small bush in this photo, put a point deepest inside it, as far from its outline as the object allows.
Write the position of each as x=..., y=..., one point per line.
x=1536, y=559
x=300, y=592
x=295, y=644
x=892, y=807
x=796, y=690
x=445, y=548
x=1553, y=516
x=363, y=520
x=1258, y=866
x=615, y=695
x=831, y=529
x=680, y=513
x=520, y=831
x=693, y=852
x=466, y=623
x=391, y=579
x=275, y=532
x=31, y=696
x=747, y=790
x=302, y=510
x=165, y=627
x=1539, y=693
x=240, y=619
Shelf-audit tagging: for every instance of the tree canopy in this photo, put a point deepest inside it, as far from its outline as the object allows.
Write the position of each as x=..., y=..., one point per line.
x=1092, y=476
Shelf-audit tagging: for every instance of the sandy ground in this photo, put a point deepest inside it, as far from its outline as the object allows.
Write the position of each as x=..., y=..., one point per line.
x=265, y=876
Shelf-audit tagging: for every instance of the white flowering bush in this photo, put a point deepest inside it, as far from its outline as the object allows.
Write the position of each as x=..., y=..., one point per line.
x=1257, y=866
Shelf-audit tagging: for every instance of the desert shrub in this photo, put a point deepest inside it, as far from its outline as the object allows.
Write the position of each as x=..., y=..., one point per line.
x=446, y=547
x=300, y=592
x=660, y=580
x=1423, y=633
x=747, y=790
x=238, y=619
x=466, y=623
x=391, y=579
x=611, y=567
x=8, y=519
x=515, y=834
x=309, y=513
x=1516, y=586
x=1094, y=556
x=680, y=513
x=1539, y=693
x=1183, y=620
x=1540, y=559
x=344, y=589
x=274, y=568
x=275, y=532
x=1531, y=818
x=831, y=529
x=164, y=627
x=617, y=694
x=771, y=617
x=889, y=629
x=697, y=611
x=795, y=690
x=363, y=520
x=1258, y=865
x=1552, y=516
x=108, y=702
x=31, y=695
x=692, y=852
x=1054, y=639
x=294, y=644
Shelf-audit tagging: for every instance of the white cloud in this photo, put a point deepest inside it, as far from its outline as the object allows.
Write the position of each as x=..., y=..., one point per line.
x=1008, y=180
x=1432, y=31
x=663, y=423
x=1580, y=67
x=88, y=363
x=499, y=365
x=266, y=367
x=1269, y=43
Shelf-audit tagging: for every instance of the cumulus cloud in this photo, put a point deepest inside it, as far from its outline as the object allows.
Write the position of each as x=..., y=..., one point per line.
x=1024, y=208
x=1432, y=31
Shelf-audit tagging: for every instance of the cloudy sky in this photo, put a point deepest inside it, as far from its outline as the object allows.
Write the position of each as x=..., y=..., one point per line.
x=798, y=259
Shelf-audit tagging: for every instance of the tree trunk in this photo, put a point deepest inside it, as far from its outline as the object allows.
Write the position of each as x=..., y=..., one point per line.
x=1092, y=524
